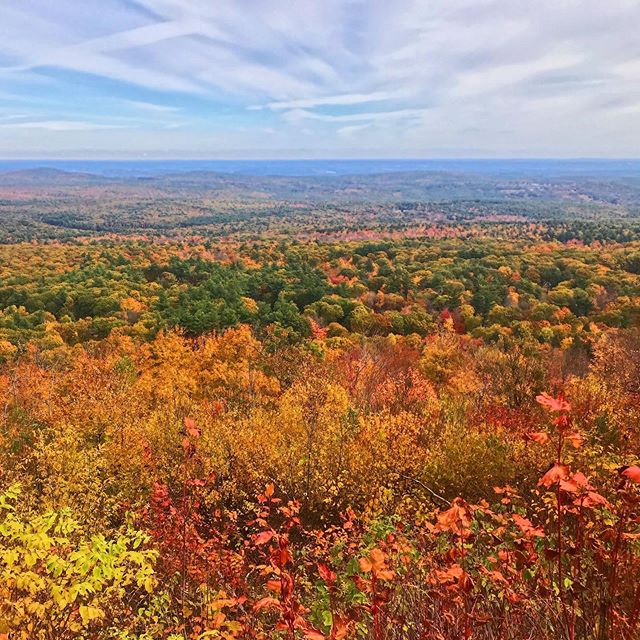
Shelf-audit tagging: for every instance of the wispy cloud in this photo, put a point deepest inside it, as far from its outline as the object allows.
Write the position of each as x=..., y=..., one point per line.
x=150, y=106
x=13, y=116
x=347, y=99
x=296, y=115
x=352, y=130
x=414, y=76
x=63, y=125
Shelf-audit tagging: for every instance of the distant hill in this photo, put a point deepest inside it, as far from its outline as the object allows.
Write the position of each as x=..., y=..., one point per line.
x=46, y=176
x=398, y=186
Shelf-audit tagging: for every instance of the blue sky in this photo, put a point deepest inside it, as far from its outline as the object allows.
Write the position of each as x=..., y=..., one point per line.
x=319, y=78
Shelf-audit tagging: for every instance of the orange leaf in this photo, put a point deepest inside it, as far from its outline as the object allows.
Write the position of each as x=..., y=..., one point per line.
x=453, y=573
x=377, y=559
x=385, y=574
x=274, y=585
x=541, y=437
x=218, y=619
x=339, y=628
x=456, y=518
x=190, y=427
x=365, y=565
x=575, y=439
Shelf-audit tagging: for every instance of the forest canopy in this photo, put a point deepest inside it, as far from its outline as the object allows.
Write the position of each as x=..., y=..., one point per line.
x=268, y=408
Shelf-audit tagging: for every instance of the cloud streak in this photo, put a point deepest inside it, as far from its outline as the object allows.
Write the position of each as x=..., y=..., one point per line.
x=63, y=125
x=403, y=78
x=348, y=99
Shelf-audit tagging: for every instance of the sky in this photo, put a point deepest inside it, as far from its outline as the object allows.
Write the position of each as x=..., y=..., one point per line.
x=319, y=78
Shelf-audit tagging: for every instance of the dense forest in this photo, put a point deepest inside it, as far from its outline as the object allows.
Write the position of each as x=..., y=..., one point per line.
x=383, y=407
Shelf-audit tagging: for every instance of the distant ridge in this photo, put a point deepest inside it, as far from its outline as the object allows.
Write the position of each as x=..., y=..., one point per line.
x=417, y=185
x=49, y=176
x=131, y=169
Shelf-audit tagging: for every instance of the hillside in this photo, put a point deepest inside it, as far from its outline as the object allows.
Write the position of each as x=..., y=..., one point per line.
x=382, y=407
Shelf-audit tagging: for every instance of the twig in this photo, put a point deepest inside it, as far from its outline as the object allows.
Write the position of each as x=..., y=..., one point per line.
x=426, y=488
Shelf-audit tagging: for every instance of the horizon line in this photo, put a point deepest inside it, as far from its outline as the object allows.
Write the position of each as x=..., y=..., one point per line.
x=327, y=159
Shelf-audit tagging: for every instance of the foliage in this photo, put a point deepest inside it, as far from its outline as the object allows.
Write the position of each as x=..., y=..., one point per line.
x=320, y=421
x=56, y=582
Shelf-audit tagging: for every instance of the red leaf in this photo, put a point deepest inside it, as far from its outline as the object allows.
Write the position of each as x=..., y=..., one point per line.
x=326, y=574
x=553, y=404
x=527, y=528
x=581, y=480
x=217, y=408
x=633, y=473
x=263, y=538
x=593, y=499
x=569, y=486
x=266, y=603
x=557, y=473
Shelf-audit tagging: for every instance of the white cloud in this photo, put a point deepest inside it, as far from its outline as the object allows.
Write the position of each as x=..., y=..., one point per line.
x=476, y=74
x=497, y=78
